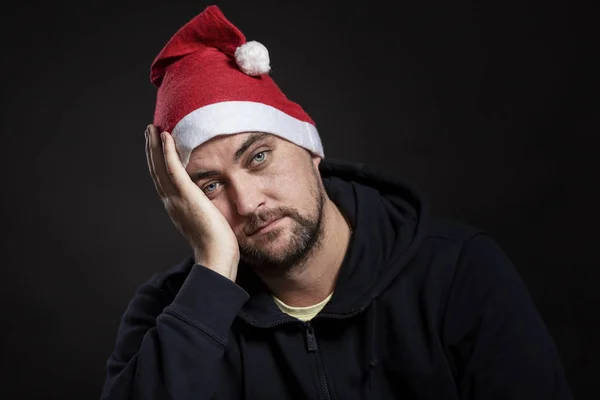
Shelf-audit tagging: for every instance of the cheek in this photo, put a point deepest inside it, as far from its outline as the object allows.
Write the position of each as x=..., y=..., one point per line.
x=284, y=184
x=225, y=209
x=292, y=188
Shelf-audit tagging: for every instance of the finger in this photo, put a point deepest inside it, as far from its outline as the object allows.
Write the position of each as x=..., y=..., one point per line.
x=156, y=162
x=175, y=169
x=148, y=148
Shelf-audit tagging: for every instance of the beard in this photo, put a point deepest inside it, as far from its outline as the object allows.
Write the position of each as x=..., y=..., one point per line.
x=305, y=237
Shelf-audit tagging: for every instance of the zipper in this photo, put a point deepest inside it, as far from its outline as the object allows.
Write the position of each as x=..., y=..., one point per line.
x=311, y=347
x=311, y=340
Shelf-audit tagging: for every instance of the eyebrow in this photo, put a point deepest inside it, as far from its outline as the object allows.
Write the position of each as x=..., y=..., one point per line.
x=250, y=140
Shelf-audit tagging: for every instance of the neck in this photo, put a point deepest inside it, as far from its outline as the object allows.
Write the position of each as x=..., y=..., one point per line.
x=315, y=279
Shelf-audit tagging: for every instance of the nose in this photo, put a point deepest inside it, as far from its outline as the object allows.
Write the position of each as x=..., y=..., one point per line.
x=247, y=195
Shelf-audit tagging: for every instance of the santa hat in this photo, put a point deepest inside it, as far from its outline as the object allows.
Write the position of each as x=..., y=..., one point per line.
x=212, y=82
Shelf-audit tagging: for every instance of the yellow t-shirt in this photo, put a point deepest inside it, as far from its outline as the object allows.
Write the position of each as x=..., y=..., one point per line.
x=302, y=313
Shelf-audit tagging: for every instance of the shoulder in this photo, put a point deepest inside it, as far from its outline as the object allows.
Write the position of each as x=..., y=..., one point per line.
x=459, y=250
x=452, y=230
x=477, y=262
x=473, y=247
x=170, y=281
x=157, y=292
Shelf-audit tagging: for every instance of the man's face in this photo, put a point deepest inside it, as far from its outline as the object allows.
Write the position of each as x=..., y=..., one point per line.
x=256, y=178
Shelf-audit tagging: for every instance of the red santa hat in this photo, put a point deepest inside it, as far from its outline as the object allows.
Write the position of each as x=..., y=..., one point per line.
x=212, y=82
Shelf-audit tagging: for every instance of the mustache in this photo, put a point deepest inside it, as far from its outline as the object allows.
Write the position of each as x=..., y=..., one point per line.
x=264, y=218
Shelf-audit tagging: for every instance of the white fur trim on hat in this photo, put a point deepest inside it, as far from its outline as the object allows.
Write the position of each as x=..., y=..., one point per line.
x=231, y=117
x=253, y=58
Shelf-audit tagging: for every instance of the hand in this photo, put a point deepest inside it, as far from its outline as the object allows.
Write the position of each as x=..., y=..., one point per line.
x=195, y=216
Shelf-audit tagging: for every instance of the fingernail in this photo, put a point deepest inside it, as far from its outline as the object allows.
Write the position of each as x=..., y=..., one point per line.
x=147, y=132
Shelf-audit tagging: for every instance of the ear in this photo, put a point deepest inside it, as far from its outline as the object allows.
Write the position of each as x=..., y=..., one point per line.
x=316, y=160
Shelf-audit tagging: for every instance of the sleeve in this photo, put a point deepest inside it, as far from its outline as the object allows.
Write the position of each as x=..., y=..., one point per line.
x=499, y=346
x=169, y=348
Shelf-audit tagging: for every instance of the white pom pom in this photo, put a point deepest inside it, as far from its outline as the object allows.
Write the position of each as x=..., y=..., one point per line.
x=253, y=58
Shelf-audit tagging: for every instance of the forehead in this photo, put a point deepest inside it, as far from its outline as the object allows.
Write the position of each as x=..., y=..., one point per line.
x=233, y=139
x=232, y=142
x=230, y=146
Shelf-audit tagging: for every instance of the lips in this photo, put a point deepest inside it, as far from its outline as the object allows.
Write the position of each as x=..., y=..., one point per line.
x=265, y=225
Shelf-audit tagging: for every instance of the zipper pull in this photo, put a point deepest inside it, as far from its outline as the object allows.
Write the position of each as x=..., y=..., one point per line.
x=311, y=341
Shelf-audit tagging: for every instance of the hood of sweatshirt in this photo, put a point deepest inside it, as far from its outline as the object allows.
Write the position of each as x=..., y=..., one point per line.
x=389, y=218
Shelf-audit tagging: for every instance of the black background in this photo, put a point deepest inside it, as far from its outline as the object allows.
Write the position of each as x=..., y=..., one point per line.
x=491, y=109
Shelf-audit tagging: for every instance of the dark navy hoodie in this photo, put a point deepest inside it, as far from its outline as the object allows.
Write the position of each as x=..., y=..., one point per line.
x=423, y=308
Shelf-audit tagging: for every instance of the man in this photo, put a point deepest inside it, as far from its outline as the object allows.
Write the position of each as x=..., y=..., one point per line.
x=310, y=278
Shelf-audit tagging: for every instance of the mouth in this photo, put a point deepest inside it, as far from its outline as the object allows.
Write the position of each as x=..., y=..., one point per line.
x=265, y=227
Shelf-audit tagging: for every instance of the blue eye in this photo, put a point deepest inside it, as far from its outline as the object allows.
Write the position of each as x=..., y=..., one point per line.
x=258, y=154
x=210, y=184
